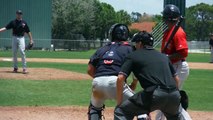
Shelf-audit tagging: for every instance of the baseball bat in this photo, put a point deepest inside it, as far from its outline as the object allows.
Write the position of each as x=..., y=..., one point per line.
x=177, y=25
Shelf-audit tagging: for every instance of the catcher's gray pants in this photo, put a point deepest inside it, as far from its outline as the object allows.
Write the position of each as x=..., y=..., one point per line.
x=18, y=42
x=107, y=86
x=145, y=102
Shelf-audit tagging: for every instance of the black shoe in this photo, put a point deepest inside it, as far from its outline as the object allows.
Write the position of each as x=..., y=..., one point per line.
x=15, y=70
x=141, y=119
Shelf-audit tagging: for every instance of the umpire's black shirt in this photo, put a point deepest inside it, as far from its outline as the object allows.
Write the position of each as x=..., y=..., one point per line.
x=19, y=27
x=151, y=67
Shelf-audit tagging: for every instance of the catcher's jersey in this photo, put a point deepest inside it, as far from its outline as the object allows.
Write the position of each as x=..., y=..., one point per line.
x=19, y=27
x=178, y=42
x=109, y=59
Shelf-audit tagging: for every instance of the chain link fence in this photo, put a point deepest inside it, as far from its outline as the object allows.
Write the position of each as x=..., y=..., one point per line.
x=57, y=44
x=199, y=46
x=83, y=45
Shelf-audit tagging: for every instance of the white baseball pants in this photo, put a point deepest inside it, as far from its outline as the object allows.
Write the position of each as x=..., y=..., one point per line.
x=18, y=43
x=182, y=69
x=107, y=85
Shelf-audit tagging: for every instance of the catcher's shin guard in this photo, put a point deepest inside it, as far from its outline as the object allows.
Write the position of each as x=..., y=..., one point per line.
x=95, y=113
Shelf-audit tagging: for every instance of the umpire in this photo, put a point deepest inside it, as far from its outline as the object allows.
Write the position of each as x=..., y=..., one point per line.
x=156, y=76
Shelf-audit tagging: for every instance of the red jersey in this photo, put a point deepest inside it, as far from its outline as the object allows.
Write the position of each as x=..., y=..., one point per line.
x=178, y=43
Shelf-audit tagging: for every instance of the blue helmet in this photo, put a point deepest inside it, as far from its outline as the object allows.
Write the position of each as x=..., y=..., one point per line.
x=171, y=12
x=118, y=32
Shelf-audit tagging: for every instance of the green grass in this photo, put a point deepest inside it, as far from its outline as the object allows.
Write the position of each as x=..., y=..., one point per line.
x=193, y=57
x=198, y=57
x=200, y=89
x=45, y=93
x=63, y=66
x=63, y=92
x=42, y=93
x=55, y=54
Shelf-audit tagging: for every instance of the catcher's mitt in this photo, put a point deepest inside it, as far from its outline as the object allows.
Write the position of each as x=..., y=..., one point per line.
x=29, y=46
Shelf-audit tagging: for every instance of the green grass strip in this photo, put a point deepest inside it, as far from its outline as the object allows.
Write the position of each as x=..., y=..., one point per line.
x=45, y=93
x=54, y=54
x=65, y=92
x=63, y=66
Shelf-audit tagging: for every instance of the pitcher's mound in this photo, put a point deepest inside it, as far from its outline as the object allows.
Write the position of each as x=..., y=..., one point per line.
x=42, y=74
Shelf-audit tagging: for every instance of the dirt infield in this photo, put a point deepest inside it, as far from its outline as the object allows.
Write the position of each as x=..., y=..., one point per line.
x=42, y=74
x=69, y=113
x=205, y=66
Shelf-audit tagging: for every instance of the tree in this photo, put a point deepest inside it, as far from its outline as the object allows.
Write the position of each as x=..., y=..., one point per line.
x=71, y=17
x=90, y=18
x=199, y=21
x=105, y=17
x=157, y=18
x=146, y=17
x=123, y=17
x=135, y=16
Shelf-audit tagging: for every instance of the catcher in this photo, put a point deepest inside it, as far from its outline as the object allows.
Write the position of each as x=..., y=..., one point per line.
x=104, y=66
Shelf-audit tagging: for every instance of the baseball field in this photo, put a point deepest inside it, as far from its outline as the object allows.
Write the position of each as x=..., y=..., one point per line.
x=58, y=88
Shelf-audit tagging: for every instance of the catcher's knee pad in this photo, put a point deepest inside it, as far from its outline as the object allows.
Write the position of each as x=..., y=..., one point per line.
x=95, y=113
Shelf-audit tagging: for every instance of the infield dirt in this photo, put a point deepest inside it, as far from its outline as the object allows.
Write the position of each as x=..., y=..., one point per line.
x=70, y=113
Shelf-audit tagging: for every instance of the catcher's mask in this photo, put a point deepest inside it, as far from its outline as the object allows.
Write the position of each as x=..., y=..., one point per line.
x=118, y=32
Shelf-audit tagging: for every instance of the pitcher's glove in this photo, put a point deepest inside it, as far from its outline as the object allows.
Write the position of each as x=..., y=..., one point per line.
x=29, y=46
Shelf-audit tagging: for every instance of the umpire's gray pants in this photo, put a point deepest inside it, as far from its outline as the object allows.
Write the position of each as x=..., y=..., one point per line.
x=146, y=102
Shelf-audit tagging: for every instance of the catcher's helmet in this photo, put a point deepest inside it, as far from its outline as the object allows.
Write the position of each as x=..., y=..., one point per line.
x=118, y=32
x=171, y=12
x=144, y=37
